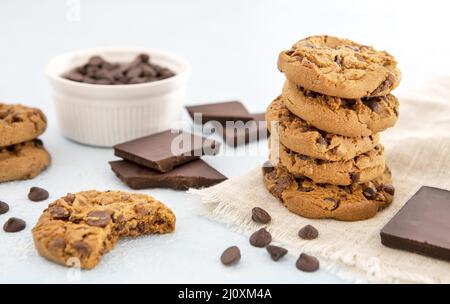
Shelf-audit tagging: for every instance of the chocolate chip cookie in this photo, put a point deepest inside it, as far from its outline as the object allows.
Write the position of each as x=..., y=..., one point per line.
x=339, y=67
x=301, y=137
x=361, y=169
x=347, y=117
x=347, y=203
x=23, y=161
x=19, y=123
x=88, y=224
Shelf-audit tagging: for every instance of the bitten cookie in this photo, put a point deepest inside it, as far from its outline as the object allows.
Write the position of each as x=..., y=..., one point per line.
x=301, y=137
x=347, y=117
x=23, y=161
x=339, y=67
x=361, y=169
x=19, y=124
x=350, y=203
x=86, y=225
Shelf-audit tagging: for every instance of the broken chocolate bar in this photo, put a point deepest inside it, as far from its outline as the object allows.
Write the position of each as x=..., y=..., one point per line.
x=221, y=112
x=196, y=174
x=166, y=150
x=422, y=225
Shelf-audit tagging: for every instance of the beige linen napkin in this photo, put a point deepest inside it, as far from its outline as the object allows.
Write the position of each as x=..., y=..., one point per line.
x=418, y=152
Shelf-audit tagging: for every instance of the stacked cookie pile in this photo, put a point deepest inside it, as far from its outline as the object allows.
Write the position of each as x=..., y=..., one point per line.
x=325, y=126
x=22, y=155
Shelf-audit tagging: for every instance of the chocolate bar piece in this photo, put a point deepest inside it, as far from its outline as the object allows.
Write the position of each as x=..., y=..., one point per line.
x=247, y=132
x=196, y=174
x=166, y=150
x=221, y=112
x=422, y=225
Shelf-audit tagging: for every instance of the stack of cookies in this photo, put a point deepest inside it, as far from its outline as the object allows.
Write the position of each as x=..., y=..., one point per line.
x=22, y=154
x=326, y=159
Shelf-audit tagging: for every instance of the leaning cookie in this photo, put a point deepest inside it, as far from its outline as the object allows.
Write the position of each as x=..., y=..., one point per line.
x=339, y=67
x=350, y=203
x=347, y=117
x=301, y=137
x=19, y=124
x=79, y=228
x=361, y=169
x=23, y=161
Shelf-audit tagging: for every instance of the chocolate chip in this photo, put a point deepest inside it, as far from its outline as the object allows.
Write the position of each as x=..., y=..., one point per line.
x=276, y=252
x=322, y=141
x=82, y=248
x=289, y=52
x=59, y=213
x=267, y=167
x=370, y=193
x=305, y=189
x=95, y=61
x=339, y=60
x=144, y=58
x=298, y=58
x=14, y=225
x=388, y=188
x=311, y=94
x=281, y=184
x=98, y=218
x=333, y=203
x=308, y=233
x=261, y=238
x=4, y=207
x=354, y=177
x=260, y=215
x=307, y=263
x=304, y=157
x=385, y=85
x=373, y=104
x=141, y=210
x=37, y=194
x=348, y=103
x=230, y=256
x=70, y=198
x=57, y=244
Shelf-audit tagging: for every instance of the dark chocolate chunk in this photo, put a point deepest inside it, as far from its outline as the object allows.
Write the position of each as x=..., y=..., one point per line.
x=308, y=233
x=388, y=188
x=82, y=248
x=385, y=85
x=59, y=213
x=307, y=263
x=69, y=198
x=37, y=194
x=422, y=225
x=370, y=193
x=98, y=218
x=373, y=104
x=261, y=238
x=230, y=256
x=354, y=177
x=165, y=150
x=276, y=252
x=196, y=174
x=14, y=225
x=4, y=207
x=236, y=134
x=221, y=112
x=260, y=215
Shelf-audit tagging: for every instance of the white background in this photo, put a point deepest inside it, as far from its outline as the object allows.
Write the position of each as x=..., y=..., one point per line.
x=232, y=46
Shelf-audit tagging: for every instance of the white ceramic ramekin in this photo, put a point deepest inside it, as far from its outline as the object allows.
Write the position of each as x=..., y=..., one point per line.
x=105, y=115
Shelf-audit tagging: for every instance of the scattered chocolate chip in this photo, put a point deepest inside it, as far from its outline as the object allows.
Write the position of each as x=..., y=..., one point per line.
x=261, y=238
x=388, y=188
x=14, y=225
x=98, y=218
x=354, y=177
x=230, y=256
x=267, y=167
x=276, y=252
x=59, y=213
x=307, y=263
x=82, y=248
x=4, y=207
x=69, y=198
x=370, y=193
x=373, y=104
x=260, y=215
x=308, y=233
x=37, y=194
